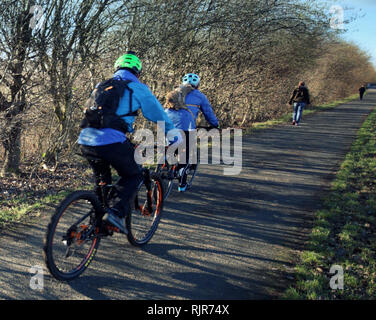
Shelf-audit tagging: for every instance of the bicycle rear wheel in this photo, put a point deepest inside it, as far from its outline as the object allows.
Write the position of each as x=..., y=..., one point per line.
x=166, y=173
x=72, y=236
x=146, y=209
x=191, y=173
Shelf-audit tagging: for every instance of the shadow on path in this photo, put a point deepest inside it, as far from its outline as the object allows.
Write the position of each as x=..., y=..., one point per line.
x=230, y=237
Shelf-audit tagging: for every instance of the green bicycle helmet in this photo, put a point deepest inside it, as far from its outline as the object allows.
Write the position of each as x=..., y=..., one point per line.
x=130, y=61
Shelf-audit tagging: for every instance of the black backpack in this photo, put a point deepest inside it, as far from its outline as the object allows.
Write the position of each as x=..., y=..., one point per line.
x=100, y=108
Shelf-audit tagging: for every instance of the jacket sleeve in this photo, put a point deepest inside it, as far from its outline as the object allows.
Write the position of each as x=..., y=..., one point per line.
x=151, y=107
x=308, y=99
x=208, y=112
x=292, y=97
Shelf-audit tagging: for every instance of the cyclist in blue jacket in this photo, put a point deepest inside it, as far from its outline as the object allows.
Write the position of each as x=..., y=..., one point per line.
x=113, y=147
x=185, y=120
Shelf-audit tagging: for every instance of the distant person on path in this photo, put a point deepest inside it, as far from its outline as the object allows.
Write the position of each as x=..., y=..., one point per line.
x=299, y=99
x=362, y=90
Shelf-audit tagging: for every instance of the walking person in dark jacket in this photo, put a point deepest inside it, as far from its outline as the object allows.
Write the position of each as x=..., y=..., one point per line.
x=299, y=99
x=362, y=90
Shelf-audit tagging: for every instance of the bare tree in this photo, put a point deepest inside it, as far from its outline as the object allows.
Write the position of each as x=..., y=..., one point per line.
x=71, y=43
x=249, y=55
x=16, y=45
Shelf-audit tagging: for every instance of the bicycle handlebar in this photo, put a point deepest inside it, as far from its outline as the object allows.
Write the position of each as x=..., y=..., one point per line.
x=206, y=127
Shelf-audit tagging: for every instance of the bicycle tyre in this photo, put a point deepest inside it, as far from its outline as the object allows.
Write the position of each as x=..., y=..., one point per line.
x=142, y=226
x=90, y=205
x=191, y=175
x=192, y=171
x=165, y=171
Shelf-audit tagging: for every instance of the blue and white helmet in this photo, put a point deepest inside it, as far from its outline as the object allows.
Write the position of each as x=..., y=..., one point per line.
x=192, y=79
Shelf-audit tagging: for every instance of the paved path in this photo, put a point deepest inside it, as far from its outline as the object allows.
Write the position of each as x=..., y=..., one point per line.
x=229, y=238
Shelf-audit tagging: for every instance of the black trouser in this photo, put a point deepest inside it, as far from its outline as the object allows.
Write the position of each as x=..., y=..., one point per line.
x=120, y=156
x=361, y=95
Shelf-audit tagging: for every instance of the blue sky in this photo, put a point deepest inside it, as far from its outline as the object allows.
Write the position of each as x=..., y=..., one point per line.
x=362, y=31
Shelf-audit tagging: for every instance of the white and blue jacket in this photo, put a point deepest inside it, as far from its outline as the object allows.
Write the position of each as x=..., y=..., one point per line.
x=142, y=98
x=195, y=101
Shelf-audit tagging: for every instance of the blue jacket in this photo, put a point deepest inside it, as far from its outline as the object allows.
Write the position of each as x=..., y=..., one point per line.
x=196, y=101
x=142, y=99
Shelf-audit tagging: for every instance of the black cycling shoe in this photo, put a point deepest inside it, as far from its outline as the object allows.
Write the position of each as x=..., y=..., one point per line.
x=112, y=217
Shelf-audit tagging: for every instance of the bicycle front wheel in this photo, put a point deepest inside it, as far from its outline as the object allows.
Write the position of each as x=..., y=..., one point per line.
x=146, y=209
x=72, y=236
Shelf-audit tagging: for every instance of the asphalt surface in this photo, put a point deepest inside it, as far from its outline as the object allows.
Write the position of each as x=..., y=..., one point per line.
x=230, y=237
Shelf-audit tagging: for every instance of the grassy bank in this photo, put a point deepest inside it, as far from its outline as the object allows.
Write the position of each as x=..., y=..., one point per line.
x=344, y=233
x=26, y=196
x=17, y=210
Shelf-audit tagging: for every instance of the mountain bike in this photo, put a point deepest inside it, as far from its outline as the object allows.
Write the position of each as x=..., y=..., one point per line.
x=76, y=229
x=170, y=173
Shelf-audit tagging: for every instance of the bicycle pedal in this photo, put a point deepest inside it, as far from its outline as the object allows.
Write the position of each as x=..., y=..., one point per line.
x=107, y=230
x=113, y=229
